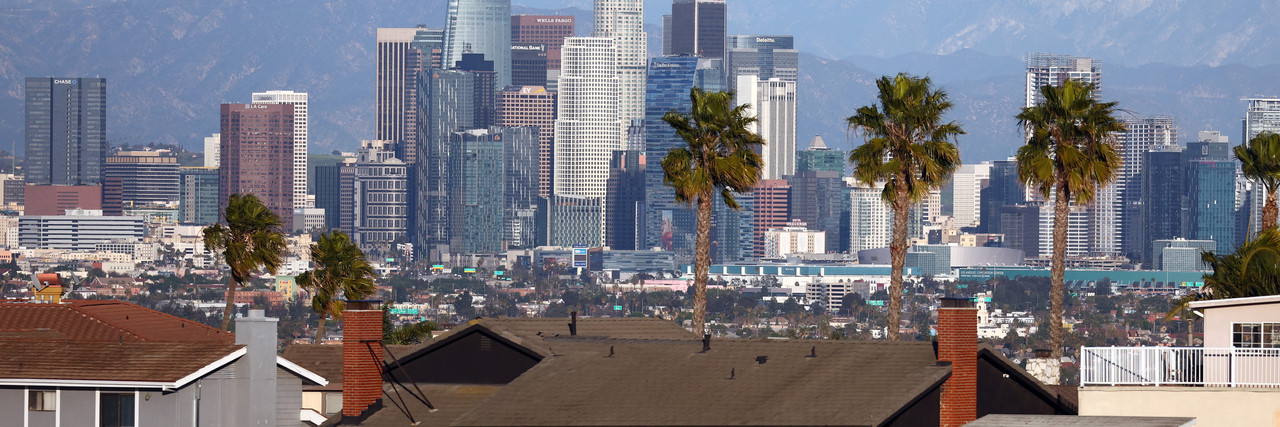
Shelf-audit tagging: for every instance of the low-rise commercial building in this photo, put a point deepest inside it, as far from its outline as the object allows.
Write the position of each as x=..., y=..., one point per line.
x=79, y=230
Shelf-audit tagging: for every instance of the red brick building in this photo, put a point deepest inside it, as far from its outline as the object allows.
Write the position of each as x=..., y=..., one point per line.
x=532, y=106
x=772, y=209
x=56, y=199
x=257, y=156
x=549, y=30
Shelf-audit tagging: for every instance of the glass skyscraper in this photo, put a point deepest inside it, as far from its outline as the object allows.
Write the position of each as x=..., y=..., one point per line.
x=1162, y=191
x=480, y=26
x=668, y=224
x=476, y=184
x=66, y=130
x=1211, y=192
x=444, y=106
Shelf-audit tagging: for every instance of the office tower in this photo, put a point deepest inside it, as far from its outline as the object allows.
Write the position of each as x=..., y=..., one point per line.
x=666, y=35
x=967, y=184
x=66, y=130
x=444, y=106
x=818, y=157
x=1180, y=254
x=626, y=215
x=528, y=64
x=1050, y=69
x=257, y=156
x=299, y=167
x=198, y=198
x=477, y=192
x=1020, y=224
x=381, y=196
x=764, y=56
x=710, y=75
x=698, y=28
x=1140, y=137
x=12, y=189
x=773, y=102
x=772, y=209
x=483, y=27
x=1261, y=115
x=1162, y=192
x=520, y=153
x=670, y=81
x=1210, y=188
x=211, y=144
x=1003, y=188
x=335, y=193
x=146, y=177
x=482, y=100
x=623, y=22
x=588, y=129
x=818, y=199
x=403, y=53
x=547, y=30
x=532, y=106
x=1078, y=238
x=870, y=220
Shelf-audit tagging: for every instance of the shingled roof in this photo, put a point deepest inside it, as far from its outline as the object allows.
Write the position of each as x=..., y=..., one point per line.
x=103, y=320
x=530, y=332
x=647, y=382
x=326, y=359
x=35, y=361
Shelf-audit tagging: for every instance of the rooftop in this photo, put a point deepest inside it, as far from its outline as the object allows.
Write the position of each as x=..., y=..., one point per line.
x=1002, y=420
x=103, y=320
x=38, y=361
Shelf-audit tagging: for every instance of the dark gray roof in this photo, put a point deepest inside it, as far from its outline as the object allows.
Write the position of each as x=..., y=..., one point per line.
x=531, y=333
x=649, y=382
x=998, y=420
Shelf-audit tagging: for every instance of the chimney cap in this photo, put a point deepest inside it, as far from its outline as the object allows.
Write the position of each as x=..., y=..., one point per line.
x=1043, y=353
x=364, y=304
x=957, y=302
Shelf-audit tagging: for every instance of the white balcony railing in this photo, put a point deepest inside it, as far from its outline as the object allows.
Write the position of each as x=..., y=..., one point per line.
x=1185, y=366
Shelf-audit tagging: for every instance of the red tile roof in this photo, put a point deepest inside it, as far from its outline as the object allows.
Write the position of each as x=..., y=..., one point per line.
x=164, y=362
x=104, y=320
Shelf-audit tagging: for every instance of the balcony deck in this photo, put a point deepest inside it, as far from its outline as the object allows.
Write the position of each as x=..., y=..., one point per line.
x=1180, y=366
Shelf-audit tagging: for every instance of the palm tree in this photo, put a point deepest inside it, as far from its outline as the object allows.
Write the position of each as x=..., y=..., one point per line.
x=721, y=154
x=341, y=271
x=1067, y=156
x=1252, y=271
x=908, y=149
x=1260, y=161
x=250, y=241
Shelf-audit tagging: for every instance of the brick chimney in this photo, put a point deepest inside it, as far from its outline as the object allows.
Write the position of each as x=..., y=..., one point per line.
x=958, y=344
x=361, y=356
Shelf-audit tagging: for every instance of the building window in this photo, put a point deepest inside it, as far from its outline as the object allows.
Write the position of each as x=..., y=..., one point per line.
x=42, y=400
x=1255, y=335
x=332, y=403
x=116, y=410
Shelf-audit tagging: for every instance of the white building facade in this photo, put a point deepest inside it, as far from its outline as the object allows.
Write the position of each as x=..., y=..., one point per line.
x=299, y=102
x=871, y=221
x=623, y=21
x=967, y=184
x=773, y=103
x=588, y=130
x=212, y=150
x=780, y=242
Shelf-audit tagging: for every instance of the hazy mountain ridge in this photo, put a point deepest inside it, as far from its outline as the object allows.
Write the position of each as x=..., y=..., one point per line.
x=169, y=66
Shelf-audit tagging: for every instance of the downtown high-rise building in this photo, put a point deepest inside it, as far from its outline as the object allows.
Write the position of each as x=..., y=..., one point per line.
x=402, y=55
x=547, y=30
x=588, y=129
x=967, y=184
x=772, y=209
x=819, y=157
x=381, y=196
x=445, y=106
x=144, y=177
x=532, y=106
x=66, y=130
x=198, y=195
x=482, y=99
x=764, y=56
x=870, y=220
x=1047, y=69
x=258, y=156
x=335, y=193
x=211, y=145
x=299, y=166
x=1003, y=189
x=1262, y=114
x=697, y=28
x=528, y=64
x=1210, y=187
x=773, y=103
x=1163, y=194
x=483, y=27
x=494, y=189
x=1141, y=136
x=625, y=227
x=623, y=22
x=670, y=81
x=819, y=196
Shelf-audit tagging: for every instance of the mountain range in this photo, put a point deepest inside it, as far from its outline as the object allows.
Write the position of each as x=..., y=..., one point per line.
x=169, y=65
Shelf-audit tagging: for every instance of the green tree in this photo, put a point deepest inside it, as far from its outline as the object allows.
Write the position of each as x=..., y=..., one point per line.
x=410, y=334
x=251, y=241
x=1253, y=270
x=908, y=149
x=1260, y=161
x=341, y=272
x=1067, y=156
x=720, y=155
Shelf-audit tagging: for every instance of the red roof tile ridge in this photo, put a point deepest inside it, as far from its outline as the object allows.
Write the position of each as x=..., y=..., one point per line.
x=146, y=311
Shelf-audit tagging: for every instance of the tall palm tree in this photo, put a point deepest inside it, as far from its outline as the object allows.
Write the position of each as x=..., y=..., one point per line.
x=907, y=148
x=1260, y=161
x=341, y=271
x=720, y=154
x=251, y=241
x=1068, y=155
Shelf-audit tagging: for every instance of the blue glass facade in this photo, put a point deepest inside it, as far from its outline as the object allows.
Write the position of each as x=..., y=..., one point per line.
x=1211, y=192
x=668, y=224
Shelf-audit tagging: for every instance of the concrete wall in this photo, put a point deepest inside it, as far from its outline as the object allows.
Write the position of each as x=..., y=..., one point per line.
x=1211, y=406
x=1217, y=321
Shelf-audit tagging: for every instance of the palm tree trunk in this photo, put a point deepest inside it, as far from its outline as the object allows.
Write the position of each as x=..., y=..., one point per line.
x=701, y=264
x=320, y=329
x=231, y=302
x=1269, y=210
x=898, y=257
x=1061, y=213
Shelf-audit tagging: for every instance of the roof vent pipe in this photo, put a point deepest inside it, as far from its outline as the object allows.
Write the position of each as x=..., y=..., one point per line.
x=706, y=343
x=573, y=323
